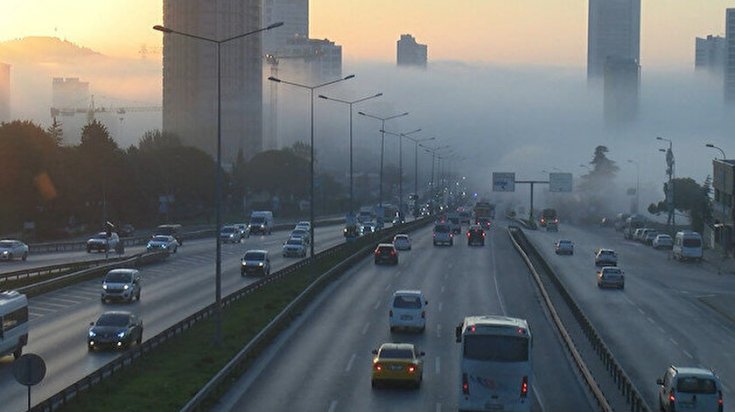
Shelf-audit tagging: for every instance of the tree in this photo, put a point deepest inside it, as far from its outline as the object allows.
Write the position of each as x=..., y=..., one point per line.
x=55, y=132
x=603, y=170
x=155, y=139
x=689, y=197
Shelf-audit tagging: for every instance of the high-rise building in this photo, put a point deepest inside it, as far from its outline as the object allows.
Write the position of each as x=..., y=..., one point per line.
x=621, y=84
x=295, y=17
x=4, y=92
x=410, y=53
x=190, y=75
x=614, y=29
x=730, y=63
x=69, y=94
x=313, y=60
x=710, y=54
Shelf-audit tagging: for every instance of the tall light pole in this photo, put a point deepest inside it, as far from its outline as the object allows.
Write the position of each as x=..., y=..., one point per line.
x=670, y=163
x=400, y=165
x=710, y=145
x=382, y=145
x=311, y=154
x=218, y=172
x=416, y=169
x=433, y=151
x=350, y=103
x=637, y=183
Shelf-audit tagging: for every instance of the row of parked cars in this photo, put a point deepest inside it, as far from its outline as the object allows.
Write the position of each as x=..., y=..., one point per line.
x=685, y=245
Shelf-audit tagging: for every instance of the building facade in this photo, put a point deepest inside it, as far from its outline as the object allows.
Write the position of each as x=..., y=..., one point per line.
x=69, y=94
x=621, y=85
x=710, y=53
x=4, y=92
x=723, y=210
x=190, y=75
x=295, y=17
x=730, y=56
x=614, y=30
x=411, y=53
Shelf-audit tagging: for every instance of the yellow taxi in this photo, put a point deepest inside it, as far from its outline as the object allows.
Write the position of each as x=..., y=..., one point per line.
x=397, y=363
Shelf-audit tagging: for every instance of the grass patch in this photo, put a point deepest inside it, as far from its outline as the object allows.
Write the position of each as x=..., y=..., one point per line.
x=172, y=374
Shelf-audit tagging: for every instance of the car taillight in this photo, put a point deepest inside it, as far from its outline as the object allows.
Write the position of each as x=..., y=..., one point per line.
x=390, y=313
x=468, y=234
x=378, y=367
x=392, y=252
x=465, y=384
x=411, y=369
x=720, y=405
x=423, y=314
x=377, y=252
x=483, y=234
x=524, y=387
x=672, y=398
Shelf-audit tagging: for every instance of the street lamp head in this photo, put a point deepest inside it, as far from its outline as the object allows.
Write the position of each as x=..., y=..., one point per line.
x=659, y=138
x=321, y=96
x=274, y=79
x=362, y=113
x=162, y=29
x=274, y=25
x=662, y=150
x=378, y=95
x=352, y=76
x=709, y=145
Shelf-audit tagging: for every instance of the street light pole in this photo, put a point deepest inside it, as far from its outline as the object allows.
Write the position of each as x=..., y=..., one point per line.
x=218, y=172
x=311, y=151
x=416, y=168
x=718, y=148
x=400, y=164
x=670, y=162
x=637, y=183
x=350, y=103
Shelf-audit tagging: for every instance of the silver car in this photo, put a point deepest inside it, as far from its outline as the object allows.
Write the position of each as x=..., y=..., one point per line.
x=11, y=249
x=162, y=242
x=295, y=247
x=121, y=284
x=102, y=243
x=255, y=262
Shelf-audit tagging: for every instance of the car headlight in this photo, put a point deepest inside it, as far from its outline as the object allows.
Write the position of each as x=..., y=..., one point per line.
x=104, y=286
x=121, y=334
x=92, y=334
x=126, y=287
x=260, y=263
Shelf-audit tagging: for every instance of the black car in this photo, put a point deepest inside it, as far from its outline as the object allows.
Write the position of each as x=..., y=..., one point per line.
x=475, y=235
x=386, y=253
x=116, y=329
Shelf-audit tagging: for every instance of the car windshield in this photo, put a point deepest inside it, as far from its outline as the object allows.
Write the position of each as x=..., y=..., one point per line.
x=693, y=384
x=407, y=302
x=401, y=238
x=393, y=353
x=496, y=348
x=113, y=319
x=6, y=243
x=100, y=236
x=294, y=242
x=160, y=239
x=441, y=229
x=608, y=271
x=664, y=237
x=228, y=230
x=257, y=220
x=254, y=256
x=118, y=277
x=692, y=243
x=565, y=242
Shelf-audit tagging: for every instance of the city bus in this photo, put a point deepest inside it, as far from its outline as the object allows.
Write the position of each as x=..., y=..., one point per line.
x=494, y=364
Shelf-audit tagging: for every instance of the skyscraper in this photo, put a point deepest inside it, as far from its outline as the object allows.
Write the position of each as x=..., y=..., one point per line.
x=410, y=53
x=621, y=84
x=190, y=75
x=4, y=92
x=295, y=17
x=710, y=54
x=730, y=63
x=614, y=29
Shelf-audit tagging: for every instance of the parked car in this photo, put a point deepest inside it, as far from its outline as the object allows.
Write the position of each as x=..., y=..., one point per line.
x=11, y=249
x=230, y=234
x=649, y=236
x=402, y=242
x=610, y=276
x=687, y=246
x=663, y=241
x=689, y=389
x=255, y=262
x=115, y=329
x=637, y=233
x=102, y=243
x=606, y=257
x=121, y=284
x=564, y=247
x=408, y=310
x=295, y=247
x=164, y=243
x=386, y=253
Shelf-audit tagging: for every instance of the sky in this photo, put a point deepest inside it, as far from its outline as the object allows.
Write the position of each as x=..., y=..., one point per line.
x=515, y=32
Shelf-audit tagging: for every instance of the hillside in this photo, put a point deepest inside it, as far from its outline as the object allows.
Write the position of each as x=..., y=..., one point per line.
x=37, y=49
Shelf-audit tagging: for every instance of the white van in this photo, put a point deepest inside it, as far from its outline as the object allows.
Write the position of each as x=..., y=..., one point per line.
x=494, y=364
x=408, y=310
x=13, y=323
x=687, y=245
x=261, y=221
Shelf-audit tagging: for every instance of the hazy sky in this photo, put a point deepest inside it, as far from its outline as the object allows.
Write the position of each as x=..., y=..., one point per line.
x=538, y=32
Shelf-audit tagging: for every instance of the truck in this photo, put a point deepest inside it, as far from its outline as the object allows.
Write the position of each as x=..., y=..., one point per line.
x=484, y=212
x=261, y=221
x=365, y=215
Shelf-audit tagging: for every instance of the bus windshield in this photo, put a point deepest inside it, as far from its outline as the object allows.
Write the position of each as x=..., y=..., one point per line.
x=496, y=348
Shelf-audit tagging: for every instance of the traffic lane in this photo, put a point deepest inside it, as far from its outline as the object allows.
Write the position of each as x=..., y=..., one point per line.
x=184, y=285
x=58, y=258
x=334, y=351
x=670, y=324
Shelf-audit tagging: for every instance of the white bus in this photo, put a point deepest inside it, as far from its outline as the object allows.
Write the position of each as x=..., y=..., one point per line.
x=495, y=364
x=13, y=323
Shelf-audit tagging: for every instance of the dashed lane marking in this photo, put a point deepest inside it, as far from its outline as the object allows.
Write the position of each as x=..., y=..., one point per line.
x=350, y=362
x=438, y=330
x=332, y=406
x=437, y=365
x=377, y=305
x=689, y=355
x=441, y=305
x=365, y=328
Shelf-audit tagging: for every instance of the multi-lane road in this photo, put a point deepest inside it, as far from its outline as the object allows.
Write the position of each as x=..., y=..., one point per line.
x=324, y=363
x=172, y=290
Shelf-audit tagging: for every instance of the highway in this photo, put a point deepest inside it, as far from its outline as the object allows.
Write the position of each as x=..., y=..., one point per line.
x=323, y=362
x=172, y=290
x=37, y=260
x=659, y=319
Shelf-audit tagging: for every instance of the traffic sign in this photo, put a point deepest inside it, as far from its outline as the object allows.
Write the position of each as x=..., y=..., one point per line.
x=29, y=370
x=504, y=182
x=560, y=182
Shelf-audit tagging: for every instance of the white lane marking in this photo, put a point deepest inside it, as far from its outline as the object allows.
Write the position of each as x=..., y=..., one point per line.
x=446, y=276
x=439, y=330
x=333, y=406
x=438, y=407
x=441, y=305
x=689, y=355
x=350, y=362
x=641, y=311
x=365, y=328
x=437, y=367
x=674, y=342
x=387, y=286
x=397, y=273
x=377, y=305
x=660, y=329
x=495, y=276
x=650, y=320
x=443, y=289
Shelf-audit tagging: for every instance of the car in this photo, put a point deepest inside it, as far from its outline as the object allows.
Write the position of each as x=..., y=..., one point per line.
x=397, y=363
x=126, y=230
x=475, y=235
x=402, y=241
x=367, y=228
x=610, y=276
x=642, y=234
x=304, y=234
x=663, y=241
x=11, y=249
x=170, y=230
x=397, y=220
x=304, y=224
x=454, y=222
x=121, y=284
x=255, y=262
x=14, y=325
x=261, y=221
x=102, y=243
x=637, y=233
x=648, y=237
x=564, y=247
x=115, y=329
x=231, y=234
x=442, y=235
x=386, y=253
x=464, y=217
x=692, y=389
x=606, y=257
x=163, y=243
x=244, y=229
x=295, y=247
x=484, y=222
x=408, y=310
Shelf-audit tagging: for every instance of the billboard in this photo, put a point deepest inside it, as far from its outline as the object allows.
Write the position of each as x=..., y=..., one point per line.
x=504, y=182
x=560, y=182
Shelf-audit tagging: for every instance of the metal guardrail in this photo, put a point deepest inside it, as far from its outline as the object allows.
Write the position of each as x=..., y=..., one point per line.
x=620, y=378
x=126, y=359
x=60, y=268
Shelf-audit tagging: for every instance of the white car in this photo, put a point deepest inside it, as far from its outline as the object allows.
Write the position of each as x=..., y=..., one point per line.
x=294, y=246
x=302, y=233
x=11, y=249
x=408, y=310
x=303, y=225
x=606, y=257
x=689, y=389
x=663, y=242
x=231, y=234
x=162, y=242
x=610, y=276
x=402, y=242
x=101, y=243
